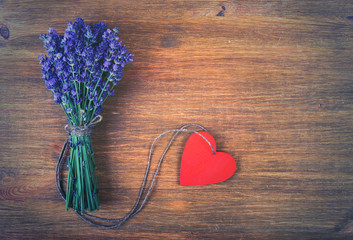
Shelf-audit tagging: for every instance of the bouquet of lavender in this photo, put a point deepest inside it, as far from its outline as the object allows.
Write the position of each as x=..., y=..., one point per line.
x=81, y=69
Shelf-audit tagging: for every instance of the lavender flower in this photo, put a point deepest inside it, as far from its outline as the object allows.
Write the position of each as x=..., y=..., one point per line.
x=81, y=69
x=80, y=64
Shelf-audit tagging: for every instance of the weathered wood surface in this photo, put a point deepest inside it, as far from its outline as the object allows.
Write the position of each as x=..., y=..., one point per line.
x=271, y=80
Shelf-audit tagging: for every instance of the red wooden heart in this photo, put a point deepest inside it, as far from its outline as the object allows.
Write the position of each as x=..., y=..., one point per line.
x=199, y=166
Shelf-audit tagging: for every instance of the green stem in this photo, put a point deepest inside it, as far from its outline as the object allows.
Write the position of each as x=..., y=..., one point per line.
x=65, y=111
x=95, y=87
x=89, y=82
x=82, y=180
x=100, y=95
x=107, y=95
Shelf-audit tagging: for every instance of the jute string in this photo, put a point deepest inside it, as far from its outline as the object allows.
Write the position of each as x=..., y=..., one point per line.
x=117, y=222
x=83, y=129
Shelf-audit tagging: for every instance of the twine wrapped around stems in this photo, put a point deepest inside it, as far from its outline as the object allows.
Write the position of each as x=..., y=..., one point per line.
x=82, y=130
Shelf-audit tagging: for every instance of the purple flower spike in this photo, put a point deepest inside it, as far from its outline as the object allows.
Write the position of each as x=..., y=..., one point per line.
x=78, y=65
x=57, y=97
x=106, y=64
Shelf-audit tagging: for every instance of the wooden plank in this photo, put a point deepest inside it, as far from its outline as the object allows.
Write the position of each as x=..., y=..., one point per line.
x=271, y=80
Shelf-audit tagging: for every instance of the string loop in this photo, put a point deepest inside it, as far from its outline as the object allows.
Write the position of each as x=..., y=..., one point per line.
x=138, y=204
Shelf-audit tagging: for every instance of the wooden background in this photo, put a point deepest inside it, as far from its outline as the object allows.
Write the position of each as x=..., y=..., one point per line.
x=271, y=81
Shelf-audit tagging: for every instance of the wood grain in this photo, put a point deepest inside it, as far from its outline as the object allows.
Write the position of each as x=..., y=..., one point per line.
x=271, y=80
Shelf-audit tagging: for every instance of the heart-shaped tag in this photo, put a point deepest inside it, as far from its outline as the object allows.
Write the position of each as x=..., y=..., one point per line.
x=199, y=166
